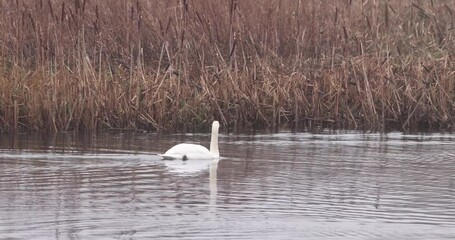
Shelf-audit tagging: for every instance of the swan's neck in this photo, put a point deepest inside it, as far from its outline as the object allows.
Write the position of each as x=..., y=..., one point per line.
x=214, y=143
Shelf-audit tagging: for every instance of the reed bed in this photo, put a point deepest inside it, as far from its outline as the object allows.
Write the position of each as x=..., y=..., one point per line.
x=168, y=65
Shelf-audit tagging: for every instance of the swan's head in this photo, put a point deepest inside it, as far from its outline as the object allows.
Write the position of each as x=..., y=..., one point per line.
x=215, y=125
x=214, y=140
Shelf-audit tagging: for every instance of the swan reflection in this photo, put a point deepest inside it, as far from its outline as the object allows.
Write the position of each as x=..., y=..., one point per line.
x=213, y=183
x=187, y=167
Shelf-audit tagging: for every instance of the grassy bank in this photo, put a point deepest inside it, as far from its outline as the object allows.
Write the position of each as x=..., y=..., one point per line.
x=160, y=65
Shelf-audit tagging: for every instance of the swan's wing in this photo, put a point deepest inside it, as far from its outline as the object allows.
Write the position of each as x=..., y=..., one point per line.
x=185, y=148
x=186, y=151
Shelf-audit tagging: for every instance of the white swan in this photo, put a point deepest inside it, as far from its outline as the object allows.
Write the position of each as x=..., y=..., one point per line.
x=186, y=151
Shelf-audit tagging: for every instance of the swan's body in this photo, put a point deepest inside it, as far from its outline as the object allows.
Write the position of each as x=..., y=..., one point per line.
x=186, y=151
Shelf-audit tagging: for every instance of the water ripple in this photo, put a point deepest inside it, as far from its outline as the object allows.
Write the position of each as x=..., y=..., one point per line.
x=269, y=186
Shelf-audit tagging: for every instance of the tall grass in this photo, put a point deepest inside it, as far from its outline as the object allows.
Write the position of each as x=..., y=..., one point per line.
x=159, y=65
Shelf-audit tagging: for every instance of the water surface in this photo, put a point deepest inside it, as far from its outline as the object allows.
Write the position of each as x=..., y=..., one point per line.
x=266, y=186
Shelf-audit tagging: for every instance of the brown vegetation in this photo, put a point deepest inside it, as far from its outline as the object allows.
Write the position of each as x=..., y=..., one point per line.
x=156, y=65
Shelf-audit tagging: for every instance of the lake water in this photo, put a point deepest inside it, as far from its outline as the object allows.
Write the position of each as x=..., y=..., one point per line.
x=266, y=186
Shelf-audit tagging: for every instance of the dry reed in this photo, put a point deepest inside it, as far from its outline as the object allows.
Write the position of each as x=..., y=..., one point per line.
x=158, y=65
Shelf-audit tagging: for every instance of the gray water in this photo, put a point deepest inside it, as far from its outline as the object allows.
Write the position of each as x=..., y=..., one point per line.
x=266, y=186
